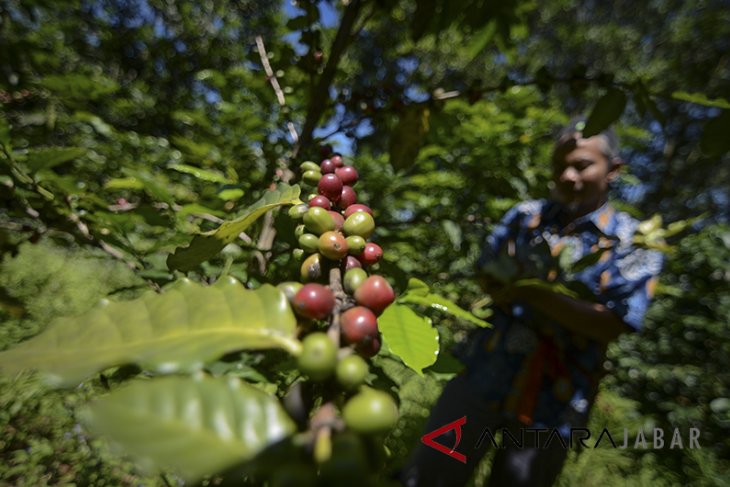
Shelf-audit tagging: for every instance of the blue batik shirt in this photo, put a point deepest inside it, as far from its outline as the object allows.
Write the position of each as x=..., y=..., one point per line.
x=527, y=365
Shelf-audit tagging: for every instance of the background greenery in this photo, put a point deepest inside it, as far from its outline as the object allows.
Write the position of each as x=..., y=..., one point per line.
x=127, y=126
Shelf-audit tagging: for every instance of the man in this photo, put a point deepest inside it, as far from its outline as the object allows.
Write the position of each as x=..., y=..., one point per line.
x=540, y=364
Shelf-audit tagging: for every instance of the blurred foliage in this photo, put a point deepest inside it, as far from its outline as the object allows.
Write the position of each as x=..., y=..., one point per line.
x=127, y=127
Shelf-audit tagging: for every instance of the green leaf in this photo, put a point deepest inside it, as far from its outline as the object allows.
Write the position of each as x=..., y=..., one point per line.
x=208, y=244
x=180, y=329
x=715, y=141
x=202, y=174
x=49, y=157
x=124, y=183
x=555, y=287
x=409, y=336
x=418, y=293
x=607, y=110
x=480, y=40
x=701, y=99
x=194, y=426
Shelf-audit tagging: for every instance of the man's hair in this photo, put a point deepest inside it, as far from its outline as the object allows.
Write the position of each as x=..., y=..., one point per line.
x=574, y=129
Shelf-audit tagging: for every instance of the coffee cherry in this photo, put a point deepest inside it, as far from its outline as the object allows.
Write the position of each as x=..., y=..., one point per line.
x=297, y=211
x=312, y=177
x=357, y=207
x=356, y=244
x=330, y=186
x=309, y=166
x=314, y=301
x=321, y=201
x=369, y=347
x=348, y=197
x=353, y=279
x=358, y=324
x=318, y=220
x=319, y=356
x=301, y=230
x=359, y=223
x=338, y=218
x=290, y=289
x=332, y=245
x=347, y=174
x=298, y=254
x=351, y=371
x=311, y=268
x=327, y=166
x=309, y=242
x=371, y=412
x=337, y=160
x=375, y=293
x=371, y=255
x=352, y=263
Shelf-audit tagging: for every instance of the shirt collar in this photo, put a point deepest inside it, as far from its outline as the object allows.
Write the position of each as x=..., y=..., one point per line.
x=601, y=218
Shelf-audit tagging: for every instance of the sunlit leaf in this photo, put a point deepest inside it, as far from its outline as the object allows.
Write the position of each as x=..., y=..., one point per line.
x=180, y=329
x=202, y=174
x=701, y=99
x=194, y=426
x=409, y=336
x=208, y=244
x=416, y=294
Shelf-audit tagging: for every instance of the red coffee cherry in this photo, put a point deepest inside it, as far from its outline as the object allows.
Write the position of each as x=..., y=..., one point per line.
x=369, y=347
x=314, y=301
x=327, y=166
x=330, y=186
x=371, y=255
x=375, y=293
x=347, y=174
x=358, y=324
x=338, y=218
x=348, y=197
x=337, y=160
x=320, y=201
x=357, y=207
x=352, y=263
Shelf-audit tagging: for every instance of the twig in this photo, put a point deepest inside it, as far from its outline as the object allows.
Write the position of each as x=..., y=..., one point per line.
x=271, y=76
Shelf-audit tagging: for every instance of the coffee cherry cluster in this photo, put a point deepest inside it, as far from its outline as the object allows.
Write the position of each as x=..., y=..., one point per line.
x=334, y=231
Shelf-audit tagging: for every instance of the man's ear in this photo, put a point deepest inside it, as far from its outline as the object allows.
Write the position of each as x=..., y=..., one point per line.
x=616, y=165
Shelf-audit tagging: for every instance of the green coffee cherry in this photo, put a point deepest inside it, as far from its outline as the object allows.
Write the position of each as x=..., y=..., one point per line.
x=359, y=223
x=312, y=268
x=297, y=211
x=351, y=371
x=318, y=220
x=309, y=242
x=318, y=357
x=299, y=231
x=355, y=244
x=312, y=177
x=353, y=279
x=309, y=166
x=371, y=411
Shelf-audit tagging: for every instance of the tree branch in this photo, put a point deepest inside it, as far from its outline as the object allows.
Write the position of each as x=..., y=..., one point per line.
x=319, y=96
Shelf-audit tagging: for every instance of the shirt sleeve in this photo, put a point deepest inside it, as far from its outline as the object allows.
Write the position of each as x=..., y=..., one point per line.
x=631, y=284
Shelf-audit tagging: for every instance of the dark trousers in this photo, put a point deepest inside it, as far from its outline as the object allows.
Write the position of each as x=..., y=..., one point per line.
x=512, y=466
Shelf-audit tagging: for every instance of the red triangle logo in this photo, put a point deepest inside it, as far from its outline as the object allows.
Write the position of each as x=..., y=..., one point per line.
x=428, y=439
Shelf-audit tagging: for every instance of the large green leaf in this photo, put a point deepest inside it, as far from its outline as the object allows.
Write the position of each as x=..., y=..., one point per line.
x=208, y=244
x=409, y=336
x=418, y=293
x=195, y=426
x=607, y=110
x=180, y=329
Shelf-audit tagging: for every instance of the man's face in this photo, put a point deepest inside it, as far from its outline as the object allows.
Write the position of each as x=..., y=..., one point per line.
x=581, y=174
